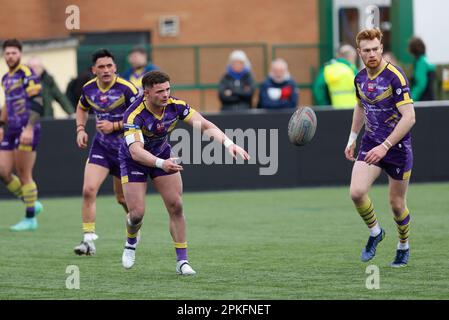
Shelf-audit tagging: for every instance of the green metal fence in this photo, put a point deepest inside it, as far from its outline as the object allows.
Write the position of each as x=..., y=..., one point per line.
x=196, y=69
x=303, y=61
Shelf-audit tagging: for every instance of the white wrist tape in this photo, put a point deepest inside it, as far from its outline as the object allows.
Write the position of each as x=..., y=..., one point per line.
x=352, y=138
x=159, y=163
x=228, y=142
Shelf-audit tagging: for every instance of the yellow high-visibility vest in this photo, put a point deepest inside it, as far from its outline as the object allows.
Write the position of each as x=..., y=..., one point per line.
x=339, y=78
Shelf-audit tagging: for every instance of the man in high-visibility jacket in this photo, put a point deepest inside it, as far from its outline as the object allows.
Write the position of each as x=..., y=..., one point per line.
x=334, y=84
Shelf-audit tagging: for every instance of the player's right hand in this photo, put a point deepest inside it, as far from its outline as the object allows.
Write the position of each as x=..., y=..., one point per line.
x=26, y=137
x=81, y=139
x=170, y=166
x=349, y=152
x=235, y=150
x=2, y=134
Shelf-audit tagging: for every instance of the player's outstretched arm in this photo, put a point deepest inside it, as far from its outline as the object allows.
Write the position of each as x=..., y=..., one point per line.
x=357, y=123
x=81, y=134
x=209, y=128
x=142, y=156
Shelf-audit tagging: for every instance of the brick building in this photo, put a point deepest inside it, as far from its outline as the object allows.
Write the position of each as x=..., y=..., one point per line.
x=203, y=23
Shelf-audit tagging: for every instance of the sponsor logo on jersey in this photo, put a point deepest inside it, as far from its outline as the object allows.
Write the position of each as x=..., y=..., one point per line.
x=160, y=127
x=130, y=126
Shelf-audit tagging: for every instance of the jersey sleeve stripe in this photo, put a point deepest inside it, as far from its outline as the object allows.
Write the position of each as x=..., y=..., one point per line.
x=25, y=70
x=192, y=111
x=128, y=84
x=398, y=74
x=406, y=100
x=133, y=115
x=176, y=101
x=131, y=131
x=82, y=106
x=89, y=82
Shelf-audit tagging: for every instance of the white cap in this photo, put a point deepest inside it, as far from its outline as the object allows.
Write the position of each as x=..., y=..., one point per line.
x=239, y=55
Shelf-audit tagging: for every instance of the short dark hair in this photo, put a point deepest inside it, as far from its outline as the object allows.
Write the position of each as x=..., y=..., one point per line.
x=416, y=47
x=139, y=50
x=101, y=53
x=12, y=43
x=154, y=77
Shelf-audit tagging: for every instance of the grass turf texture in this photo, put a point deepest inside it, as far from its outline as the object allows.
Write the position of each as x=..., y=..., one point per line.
x=270, y=244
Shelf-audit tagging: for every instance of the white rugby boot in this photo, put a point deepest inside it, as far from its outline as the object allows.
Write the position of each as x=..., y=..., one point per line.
x=87, y=246
x=183, y=268
x=129, y=253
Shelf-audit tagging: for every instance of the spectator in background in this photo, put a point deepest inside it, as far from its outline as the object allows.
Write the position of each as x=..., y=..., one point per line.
x=138, y=59
x=334, y=85
x=75, y=86
x=237, y=85
x=423, y=77
x=50, y=90
x=279, y=90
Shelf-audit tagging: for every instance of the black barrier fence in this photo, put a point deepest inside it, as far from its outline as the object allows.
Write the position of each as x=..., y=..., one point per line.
x=275, y=162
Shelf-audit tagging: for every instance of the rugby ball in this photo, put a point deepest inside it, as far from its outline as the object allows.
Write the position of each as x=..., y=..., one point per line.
x=302, y=126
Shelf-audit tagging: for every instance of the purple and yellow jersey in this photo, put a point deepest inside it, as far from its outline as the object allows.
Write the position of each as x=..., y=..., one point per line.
x=19, y=85
x=108, y=104
x=381, y=96
x=142, y=125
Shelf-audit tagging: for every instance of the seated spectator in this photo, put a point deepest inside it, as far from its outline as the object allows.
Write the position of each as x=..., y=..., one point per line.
x=138, y=60
x=334, y=85
x=279, y=89
x=50, y=90
x=423, y=77
x=237, y=85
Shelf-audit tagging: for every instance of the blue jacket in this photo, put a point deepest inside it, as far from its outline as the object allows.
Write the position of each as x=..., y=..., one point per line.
x=274, y=95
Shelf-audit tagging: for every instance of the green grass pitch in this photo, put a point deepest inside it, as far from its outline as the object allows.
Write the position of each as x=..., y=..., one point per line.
x=267, y=244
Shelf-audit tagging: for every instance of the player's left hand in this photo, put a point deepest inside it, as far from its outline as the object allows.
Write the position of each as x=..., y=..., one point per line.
x=170, y=166
x=105, y=126
x=26, y=138
x=235, y=150
x=375, y=154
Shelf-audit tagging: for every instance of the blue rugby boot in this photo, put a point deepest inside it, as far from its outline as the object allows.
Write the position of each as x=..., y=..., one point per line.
x=401, y=259
x=370, y=249
x=26, y=224
x=38, y=208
